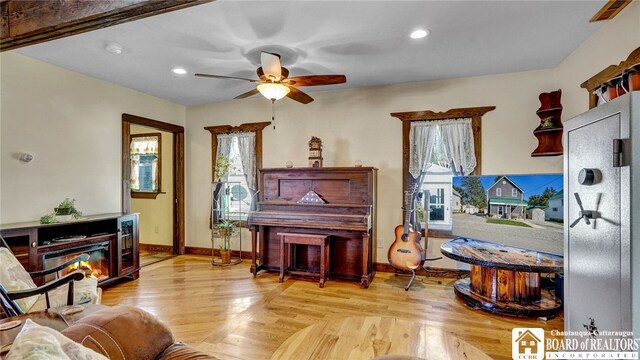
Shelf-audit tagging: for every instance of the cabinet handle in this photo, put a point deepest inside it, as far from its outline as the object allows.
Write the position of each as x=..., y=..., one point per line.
x=34, y=244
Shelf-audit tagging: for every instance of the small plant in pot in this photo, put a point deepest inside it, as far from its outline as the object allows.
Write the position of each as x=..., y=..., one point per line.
x=65, y=211
x=225, y=252
x=224, y=228
x=223, y=168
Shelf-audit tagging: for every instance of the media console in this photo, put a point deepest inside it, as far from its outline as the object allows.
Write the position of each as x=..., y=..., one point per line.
x=111, y=240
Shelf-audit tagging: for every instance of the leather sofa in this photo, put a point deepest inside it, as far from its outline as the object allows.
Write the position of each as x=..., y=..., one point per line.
x=119, y=333
x=127, y=332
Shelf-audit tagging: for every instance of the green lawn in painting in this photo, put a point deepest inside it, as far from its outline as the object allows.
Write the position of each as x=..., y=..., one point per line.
x=507, y=222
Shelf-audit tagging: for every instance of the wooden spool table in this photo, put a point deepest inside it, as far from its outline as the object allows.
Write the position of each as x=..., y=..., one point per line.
x=504, y=279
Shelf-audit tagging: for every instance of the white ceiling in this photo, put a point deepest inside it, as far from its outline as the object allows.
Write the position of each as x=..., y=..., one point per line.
x=365, y=40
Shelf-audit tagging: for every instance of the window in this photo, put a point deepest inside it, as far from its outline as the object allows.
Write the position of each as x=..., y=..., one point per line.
x=523, y=342
x=554, y=209
x=410, y=117
x=514, y=192
x=227, y=139
x=500, y=211
x=239, y=194
x=498, y=192
x=146, y=164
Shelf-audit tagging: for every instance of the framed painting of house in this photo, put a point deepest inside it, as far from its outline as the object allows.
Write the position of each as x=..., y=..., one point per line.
x=519, y=210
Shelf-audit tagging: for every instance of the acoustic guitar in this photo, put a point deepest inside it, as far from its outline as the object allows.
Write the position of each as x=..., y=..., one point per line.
x=405, y=253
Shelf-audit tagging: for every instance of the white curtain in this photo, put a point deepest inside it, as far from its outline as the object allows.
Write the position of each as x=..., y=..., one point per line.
x=421, y=138
x=224, y=148
x=247, y=147
x=456, y=137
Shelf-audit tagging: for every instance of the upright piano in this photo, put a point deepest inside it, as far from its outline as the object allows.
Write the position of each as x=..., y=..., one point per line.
x=347, y=216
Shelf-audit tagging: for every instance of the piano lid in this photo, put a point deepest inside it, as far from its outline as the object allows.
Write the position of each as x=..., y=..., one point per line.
x=336, y=185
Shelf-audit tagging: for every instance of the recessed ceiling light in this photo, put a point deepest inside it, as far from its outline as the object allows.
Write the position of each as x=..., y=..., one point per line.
x=179, y=71
x=419, y=34
x=114, y=48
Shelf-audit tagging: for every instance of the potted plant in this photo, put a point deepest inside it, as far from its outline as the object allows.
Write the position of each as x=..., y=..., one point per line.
x=223, y=168
x=65, y=211
x=224, y=229
x=225, y=253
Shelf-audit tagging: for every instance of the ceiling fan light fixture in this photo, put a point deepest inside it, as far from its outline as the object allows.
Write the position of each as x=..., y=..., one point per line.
x=273, y=91
x=419, y=34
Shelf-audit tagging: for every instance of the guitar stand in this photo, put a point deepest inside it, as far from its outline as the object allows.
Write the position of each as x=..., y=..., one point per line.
x=413, y=277
x=413, y=274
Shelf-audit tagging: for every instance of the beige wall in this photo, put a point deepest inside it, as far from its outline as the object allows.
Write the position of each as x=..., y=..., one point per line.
x=355, y=124
x=156, y=215
x=608, y=46
x=71, y=123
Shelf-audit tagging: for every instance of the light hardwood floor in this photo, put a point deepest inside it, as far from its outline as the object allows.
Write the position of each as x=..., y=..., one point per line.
x=228, y=313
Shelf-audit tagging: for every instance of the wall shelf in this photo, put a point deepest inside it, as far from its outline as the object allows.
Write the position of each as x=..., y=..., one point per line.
x=549, y=138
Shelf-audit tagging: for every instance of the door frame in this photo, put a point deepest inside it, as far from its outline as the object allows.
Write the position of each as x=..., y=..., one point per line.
x=178, y=172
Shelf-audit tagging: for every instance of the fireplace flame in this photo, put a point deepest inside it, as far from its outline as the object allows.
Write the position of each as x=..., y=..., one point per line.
x=88, y=270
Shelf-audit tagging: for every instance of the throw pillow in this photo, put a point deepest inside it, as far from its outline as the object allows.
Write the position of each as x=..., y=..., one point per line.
x=14, y=277
x=84, y=291
x=39, y=342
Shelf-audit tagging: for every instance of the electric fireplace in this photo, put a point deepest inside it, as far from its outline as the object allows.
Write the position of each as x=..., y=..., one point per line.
x=98, y=265
x=110, y=240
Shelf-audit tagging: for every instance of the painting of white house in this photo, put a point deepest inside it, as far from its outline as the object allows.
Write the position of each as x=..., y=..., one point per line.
x=520, y=210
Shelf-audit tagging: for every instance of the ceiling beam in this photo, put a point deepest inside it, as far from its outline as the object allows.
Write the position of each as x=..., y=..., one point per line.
x=610, y=10
x=28, y=22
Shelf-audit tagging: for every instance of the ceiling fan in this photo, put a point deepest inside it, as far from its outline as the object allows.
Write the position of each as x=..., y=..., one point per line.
x=274, y=83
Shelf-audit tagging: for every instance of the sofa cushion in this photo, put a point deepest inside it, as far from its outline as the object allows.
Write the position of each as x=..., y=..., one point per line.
x=14, y=277
x=180, y=351
x=122, y=333
x=40, y=342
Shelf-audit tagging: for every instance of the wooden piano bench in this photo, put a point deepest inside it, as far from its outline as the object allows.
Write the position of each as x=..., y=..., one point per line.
x=288, y=239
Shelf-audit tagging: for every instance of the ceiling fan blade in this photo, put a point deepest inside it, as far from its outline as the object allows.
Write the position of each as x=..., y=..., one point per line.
x=315, y=80
x=299, y=96
x=271, y=65
x=247, y=94
x=226, y=77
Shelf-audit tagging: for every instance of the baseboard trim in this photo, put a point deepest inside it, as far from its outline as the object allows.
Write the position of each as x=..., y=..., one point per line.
x=193, y=250
x=156, y=248
x=381, y=267
x=434, y=272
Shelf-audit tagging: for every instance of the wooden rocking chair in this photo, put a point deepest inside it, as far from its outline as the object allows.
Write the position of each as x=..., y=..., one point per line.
x=13, y=269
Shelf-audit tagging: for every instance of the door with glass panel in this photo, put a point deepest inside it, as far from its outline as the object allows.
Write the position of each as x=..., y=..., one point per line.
x=439, y=203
